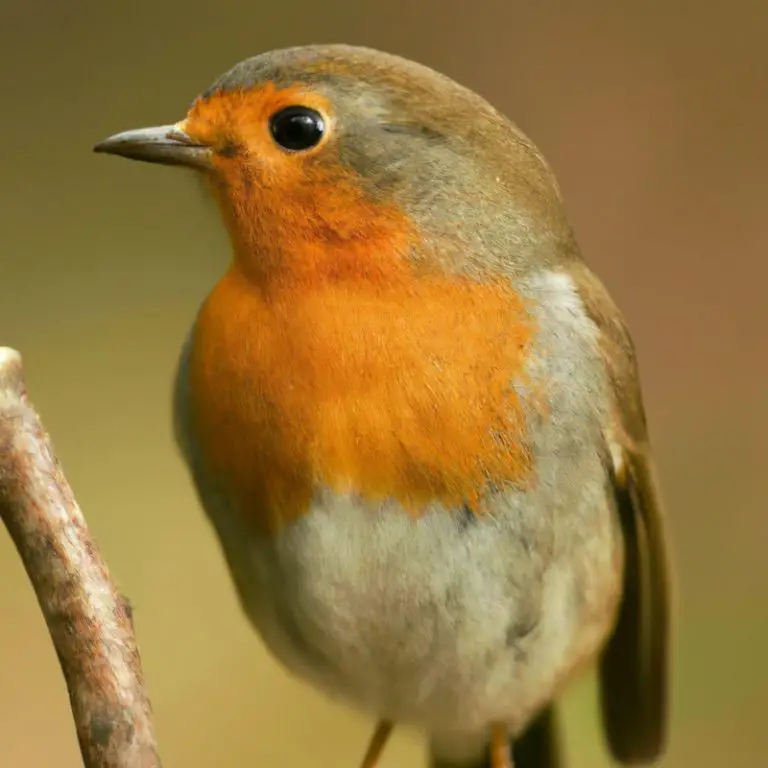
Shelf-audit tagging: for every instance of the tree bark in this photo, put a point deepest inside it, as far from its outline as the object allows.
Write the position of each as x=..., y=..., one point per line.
x=89, y=621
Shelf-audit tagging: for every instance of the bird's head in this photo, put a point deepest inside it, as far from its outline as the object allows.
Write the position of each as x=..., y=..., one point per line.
x=336, y=161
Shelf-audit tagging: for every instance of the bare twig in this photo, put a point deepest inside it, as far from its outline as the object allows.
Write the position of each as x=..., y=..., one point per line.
x=89, y=621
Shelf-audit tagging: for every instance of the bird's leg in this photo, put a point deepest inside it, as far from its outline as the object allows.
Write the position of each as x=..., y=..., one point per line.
x=501, y=753
x=376, y=744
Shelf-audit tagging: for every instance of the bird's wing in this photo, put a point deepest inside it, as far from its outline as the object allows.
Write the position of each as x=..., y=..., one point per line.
x=634, y=663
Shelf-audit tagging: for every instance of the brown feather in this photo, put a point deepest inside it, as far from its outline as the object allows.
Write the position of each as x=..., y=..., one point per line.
x=634, y=664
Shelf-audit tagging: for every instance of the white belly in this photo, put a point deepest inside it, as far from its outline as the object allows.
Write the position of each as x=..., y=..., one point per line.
x=443, y=624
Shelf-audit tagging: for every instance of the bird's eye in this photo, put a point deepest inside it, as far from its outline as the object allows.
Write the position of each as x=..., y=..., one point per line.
x=297, y=128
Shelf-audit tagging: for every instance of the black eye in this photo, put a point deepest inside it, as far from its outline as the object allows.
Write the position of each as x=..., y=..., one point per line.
x=297, y=128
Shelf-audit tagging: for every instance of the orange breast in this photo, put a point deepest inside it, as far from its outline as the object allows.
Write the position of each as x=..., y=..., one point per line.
x=403, y=392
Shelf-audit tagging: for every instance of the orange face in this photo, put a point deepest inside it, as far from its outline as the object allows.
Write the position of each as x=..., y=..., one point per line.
x=234, y=123
x=293, y=212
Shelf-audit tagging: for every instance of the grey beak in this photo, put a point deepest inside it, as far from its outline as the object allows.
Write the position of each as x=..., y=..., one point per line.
x=164, y=144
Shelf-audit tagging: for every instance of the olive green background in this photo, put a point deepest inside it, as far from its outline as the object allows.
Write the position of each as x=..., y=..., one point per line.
x=655, y=118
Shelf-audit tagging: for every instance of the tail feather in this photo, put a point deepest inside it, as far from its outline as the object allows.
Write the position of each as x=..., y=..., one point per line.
x=537, y=747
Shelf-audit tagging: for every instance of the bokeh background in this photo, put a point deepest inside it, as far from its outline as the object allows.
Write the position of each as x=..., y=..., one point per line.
x=654, y=116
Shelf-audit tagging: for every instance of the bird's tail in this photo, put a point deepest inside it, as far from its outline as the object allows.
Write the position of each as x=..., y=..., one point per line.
x=537, y=747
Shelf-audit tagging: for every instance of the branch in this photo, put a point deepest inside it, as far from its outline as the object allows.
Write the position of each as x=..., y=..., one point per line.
x=88, y=620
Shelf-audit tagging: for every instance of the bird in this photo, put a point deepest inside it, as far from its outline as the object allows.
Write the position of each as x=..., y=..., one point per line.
x=413, y=415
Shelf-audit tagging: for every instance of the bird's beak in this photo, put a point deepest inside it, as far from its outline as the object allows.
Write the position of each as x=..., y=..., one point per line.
x=164, y=144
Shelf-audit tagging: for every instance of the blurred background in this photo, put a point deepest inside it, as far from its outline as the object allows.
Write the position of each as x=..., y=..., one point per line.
x=654, y=117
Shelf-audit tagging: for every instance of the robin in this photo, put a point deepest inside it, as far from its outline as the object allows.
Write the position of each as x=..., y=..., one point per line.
x=412, y=413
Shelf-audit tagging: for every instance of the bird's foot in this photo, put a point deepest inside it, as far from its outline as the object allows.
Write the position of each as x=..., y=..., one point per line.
x=501, y=754
x=376, y=744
